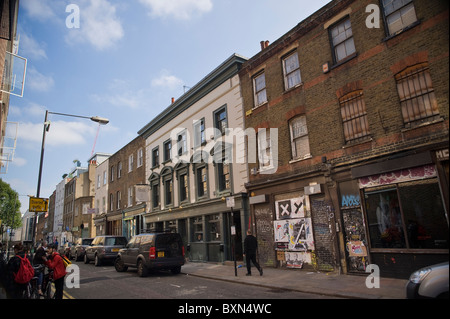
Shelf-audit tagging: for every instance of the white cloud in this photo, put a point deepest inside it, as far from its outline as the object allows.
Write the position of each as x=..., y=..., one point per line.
x=19, y=161
x=37, y=81
x=178, y=9
x=60, y=133
x=99, y=25
x=166, y=80
x=41, y=10
x=30, y=48
x=121, y=93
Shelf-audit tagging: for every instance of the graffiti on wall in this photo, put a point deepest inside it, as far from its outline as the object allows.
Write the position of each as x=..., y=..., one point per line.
x=265, y=236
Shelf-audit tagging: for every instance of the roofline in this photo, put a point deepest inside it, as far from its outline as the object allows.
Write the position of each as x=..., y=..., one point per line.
x=227, y=69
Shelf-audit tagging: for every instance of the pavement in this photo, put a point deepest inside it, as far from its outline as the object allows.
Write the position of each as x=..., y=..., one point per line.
x=333, y=285
x=322, y=283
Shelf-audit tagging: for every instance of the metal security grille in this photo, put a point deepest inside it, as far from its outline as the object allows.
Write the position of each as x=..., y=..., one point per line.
x=354, y=116
x=417, y=98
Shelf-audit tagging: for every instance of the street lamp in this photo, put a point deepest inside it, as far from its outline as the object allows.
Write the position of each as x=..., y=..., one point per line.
x=100, y=120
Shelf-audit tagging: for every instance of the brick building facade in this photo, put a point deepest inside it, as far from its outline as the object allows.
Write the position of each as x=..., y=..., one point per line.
x=353, y=138
x=126, y=170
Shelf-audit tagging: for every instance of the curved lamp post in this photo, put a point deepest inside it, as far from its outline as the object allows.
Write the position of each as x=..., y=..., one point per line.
x=98, y=119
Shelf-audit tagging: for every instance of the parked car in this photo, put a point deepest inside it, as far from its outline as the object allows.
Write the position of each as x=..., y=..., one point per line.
x=152, y=251
x=79, y=248
x=104, y=248
x=429, y=282
x=65, y=249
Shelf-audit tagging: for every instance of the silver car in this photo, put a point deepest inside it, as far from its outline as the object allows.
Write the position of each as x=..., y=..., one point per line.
x=429, y=282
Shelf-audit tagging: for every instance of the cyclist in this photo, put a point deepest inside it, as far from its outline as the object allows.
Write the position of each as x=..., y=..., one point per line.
x=54, y=261
x=39, y=261
x=17, y=290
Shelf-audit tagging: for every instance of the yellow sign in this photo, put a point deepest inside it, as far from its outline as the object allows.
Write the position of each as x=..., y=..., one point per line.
x=38, y=205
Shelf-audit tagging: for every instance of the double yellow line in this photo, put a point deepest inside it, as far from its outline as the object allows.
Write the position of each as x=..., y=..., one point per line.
x=66, y=295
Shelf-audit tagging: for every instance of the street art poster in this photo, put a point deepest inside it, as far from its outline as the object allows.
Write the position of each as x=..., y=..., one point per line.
x=281, y=230
x=297, y=259
x=356, y=249
x=290, y=208
x=300, y=234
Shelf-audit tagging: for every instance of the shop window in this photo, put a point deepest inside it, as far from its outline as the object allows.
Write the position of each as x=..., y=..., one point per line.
x=197, y=229
x=407, y=215
x=417, y=99
x=398, y=14
x=426, y=225
x=214, y=228
x=354, y=116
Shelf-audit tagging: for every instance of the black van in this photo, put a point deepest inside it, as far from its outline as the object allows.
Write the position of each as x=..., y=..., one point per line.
x=152, y=251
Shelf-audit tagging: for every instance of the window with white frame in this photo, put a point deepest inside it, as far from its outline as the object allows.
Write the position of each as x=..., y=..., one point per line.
x=398, y=14
x=130, y=162
x=140, y=155
x=264, y=149
x=291, y=71
x=130, y=196
x=342, y=40
x=119, y=170
x=259, y=89
x=299, y=138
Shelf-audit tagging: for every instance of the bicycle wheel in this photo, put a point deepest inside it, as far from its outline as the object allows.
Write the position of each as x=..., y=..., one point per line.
x=50, y=290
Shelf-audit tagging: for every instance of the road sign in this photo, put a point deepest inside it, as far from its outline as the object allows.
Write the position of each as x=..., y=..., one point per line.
x=38, y=205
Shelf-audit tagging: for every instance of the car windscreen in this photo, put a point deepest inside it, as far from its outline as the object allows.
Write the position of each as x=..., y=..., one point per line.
x=86, y=241
x=115, y=241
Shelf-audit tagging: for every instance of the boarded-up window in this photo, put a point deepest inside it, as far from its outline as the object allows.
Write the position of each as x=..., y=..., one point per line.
x=417, y=98
x=354, y=116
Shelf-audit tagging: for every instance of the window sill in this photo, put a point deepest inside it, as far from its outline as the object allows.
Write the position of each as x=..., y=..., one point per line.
x=359, y=141
x=413, y=127
x=401, y=31
x=259, y=106
x=300, y=159
x=347, y=59
x=293, y=88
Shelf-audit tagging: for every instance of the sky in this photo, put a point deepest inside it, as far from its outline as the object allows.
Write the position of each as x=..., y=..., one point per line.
x=124, y=61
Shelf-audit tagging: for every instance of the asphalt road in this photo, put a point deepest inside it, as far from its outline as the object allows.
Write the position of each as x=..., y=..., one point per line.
x=106, y=283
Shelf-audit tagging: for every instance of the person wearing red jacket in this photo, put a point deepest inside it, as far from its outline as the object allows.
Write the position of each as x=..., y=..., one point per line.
x=55, y=262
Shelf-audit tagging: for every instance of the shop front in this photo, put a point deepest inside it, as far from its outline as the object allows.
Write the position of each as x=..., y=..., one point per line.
x=405, y=214
x=211, y=231
x=133, y=221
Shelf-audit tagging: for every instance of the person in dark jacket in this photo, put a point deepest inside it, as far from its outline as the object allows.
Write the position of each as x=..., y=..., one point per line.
x=39, y=261
x=250, y=248
x=16, y=290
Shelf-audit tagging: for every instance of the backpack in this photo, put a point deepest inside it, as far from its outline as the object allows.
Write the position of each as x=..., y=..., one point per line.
x=66, y=261
x=26, y=271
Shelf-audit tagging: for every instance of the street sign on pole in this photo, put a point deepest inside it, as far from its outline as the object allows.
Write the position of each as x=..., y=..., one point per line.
x=38, y=205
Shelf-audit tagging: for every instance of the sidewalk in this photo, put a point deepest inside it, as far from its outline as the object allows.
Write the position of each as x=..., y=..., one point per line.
x=326, y=284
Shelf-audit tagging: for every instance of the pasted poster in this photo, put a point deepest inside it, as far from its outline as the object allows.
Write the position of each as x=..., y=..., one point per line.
x=300, y=234
x=281, y=229
x=297, y=259
x=290, y=208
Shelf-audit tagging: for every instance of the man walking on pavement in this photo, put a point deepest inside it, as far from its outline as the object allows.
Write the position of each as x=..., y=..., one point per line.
x=250, y=248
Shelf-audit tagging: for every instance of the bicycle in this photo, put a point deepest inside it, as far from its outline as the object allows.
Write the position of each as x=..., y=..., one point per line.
x=47, y=285
x=31, y=290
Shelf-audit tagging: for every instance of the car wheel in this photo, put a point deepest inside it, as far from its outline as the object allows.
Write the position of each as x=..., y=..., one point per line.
x=141, y=269
x=86, y=259
x=119, y=265
x=97, y=261
x=176, y=270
